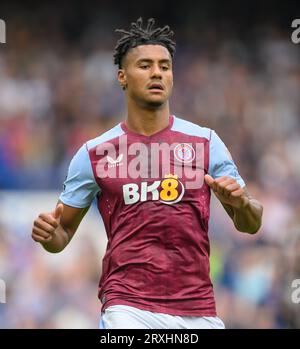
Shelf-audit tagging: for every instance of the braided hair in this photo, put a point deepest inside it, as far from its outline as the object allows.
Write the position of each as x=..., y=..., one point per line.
x=138, y=36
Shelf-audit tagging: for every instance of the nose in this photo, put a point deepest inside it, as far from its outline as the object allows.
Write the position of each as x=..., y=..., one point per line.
x=156, y=71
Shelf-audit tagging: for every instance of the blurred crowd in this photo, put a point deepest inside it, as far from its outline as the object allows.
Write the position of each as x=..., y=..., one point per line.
x=58, y=93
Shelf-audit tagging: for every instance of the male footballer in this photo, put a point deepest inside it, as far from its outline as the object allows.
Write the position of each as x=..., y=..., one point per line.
x=152, y=175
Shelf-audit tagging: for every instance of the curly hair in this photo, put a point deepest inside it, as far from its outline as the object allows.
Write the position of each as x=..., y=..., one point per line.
x=138, y=36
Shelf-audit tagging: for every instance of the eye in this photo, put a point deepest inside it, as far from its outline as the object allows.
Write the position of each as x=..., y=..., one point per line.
x=165, y=67
x=144, y=66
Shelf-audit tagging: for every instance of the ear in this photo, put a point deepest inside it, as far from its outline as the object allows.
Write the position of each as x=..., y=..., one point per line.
x=122, y=78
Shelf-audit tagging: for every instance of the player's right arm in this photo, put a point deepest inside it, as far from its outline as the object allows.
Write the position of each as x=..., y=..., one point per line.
x=54, y=230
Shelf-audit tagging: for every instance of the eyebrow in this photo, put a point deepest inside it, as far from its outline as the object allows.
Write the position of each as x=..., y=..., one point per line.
x=149, y=60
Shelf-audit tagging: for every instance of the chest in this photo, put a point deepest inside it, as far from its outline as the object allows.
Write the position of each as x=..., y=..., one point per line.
x=167, y=170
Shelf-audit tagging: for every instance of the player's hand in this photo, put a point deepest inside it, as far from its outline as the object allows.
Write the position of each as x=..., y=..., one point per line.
x=45, y=225
x=228, y=191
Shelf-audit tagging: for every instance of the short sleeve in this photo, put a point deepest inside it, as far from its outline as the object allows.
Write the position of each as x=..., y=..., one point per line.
x=80, y=187
x=220, y=160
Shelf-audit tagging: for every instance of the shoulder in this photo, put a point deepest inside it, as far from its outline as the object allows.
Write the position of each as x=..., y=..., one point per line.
x=114, y=132
x=82, y=157
x=190, y=128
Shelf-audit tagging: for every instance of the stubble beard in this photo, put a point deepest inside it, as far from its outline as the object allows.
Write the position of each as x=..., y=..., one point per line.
x=151, y=104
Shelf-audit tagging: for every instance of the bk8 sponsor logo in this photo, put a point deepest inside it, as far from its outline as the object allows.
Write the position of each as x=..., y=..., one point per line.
x=168, y=191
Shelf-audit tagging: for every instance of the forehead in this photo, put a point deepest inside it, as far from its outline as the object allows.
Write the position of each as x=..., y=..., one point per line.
x=149, y=52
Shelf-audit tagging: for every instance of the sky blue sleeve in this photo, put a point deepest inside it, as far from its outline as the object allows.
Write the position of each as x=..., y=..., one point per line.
x=220, y=160
x=80, y=186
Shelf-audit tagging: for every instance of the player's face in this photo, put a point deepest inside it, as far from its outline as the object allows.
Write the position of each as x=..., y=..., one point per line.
x=147, y=75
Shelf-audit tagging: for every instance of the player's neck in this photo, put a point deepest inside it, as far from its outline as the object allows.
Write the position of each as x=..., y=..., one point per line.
x=147, y=121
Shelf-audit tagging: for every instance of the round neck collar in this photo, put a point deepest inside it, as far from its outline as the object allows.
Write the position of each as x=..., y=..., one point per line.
x=168, y=127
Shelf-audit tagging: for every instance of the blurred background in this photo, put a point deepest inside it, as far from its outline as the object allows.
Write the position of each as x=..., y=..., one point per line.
x=236, y=71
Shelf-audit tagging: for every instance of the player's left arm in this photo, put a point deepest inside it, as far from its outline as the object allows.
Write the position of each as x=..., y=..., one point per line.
x=245, y=211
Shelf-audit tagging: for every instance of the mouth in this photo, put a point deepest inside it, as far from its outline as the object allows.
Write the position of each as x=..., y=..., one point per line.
x=156, y=87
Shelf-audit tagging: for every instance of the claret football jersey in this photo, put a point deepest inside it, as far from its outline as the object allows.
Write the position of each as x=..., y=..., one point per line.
x=155, y=205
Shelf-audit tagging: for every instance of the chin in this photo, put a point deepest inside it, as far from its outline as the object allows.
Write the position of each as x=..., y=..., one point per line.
x=155, y=103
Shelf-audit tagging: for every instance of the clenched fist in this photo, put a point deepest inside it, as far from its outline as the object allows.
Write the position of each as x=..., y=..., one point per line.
x=45, y=225
x=228, y=191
